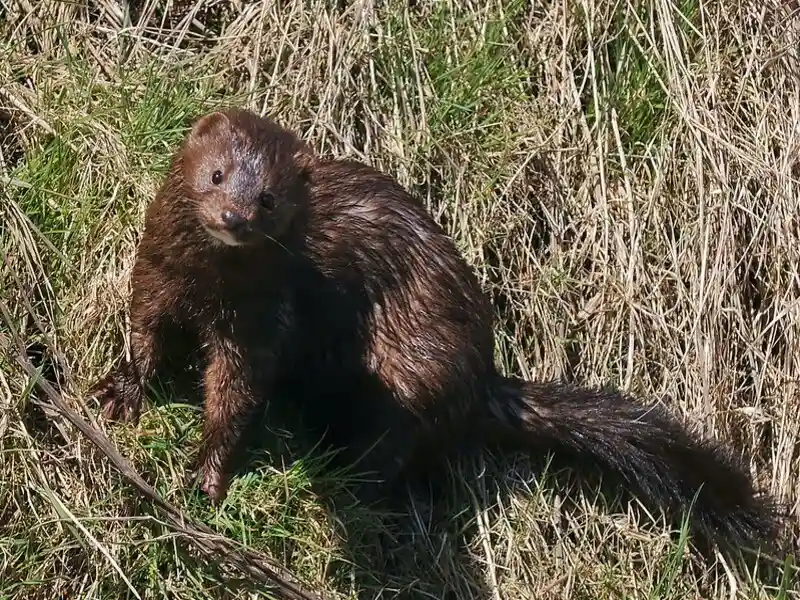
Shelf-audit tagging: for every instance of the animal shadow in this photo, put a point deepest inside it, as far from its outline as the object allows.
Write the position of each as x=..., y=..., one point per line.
x=408, y=546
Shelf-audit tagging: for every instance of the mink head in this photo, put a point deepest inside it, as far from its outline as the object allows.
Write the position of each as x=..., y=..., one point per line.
x=245, y=176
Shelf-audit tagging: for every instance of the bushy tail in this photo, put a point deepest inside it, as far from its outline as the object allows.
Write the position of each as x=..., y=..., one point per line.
x=667, y=466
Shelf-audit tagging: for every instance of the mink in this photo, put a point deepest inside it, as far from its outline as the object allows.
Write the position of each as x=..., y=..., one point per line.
x=325, y=282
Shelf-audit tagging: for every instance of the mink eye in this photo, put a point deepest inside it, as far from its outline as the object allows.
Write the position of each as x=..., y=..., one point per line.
x=267, y=200
x=216, y=177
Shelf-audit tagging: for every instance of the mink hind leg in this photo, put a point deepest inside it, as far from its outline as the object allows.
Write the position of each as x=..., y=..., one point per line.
x=371, y=436
x=379, y=458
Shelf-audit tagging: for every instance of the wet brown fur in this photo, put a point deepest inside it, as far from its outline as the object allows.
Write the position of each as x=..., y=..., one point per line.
x=353, y=303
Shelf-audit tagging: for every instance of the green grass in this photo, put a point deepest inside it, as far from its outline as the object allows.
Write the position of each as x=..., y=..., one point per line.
x=622, y=175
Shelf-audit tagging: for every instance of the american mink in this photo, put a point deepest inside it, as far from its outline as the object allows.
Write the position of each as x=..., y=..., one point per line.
x=324, y=281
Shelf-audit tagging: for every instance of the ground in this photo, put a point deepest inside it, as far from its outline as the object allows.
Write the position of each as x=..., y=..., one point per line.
x=622, y=175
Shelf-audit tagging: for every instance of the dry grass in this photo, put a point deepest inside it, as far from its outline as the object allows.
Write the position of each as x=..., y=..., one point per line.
x=623, y=175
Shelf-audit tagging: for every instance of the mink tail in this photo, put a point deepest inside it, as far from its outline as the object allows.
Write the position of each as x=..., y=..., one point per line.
x=664, y=464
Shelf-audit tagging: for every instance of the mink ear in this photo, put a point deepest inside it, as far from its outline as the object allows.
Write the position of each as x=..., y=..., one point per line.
x=305, y=160
x=208, y=122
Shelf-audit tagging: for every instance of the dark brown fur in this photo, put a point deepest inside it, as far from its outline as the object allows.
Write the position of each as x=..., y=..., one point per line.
x=347, y=298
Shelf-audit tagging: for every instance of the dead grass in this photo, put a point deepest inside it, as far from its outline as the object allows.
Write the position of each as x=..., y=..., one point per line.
x=623, y=175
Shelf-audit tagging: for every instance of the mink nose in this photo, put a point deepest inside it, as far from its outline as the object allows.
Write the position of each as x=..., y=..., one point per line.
x=233, y=220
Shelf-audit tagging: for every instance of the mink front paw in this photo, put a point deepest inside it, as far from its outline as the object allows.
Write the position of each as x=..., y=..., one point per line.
x=209, y=476
x=213, y=482
x=120, y=397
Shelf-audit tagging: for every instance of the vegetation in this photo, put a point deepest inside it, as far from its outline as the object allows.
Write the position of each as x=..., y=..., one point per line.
x=624, y=176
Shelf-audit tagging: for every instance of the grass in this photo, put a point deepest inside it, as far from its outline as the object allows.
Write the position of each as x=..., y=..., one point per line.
x=622, y=175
